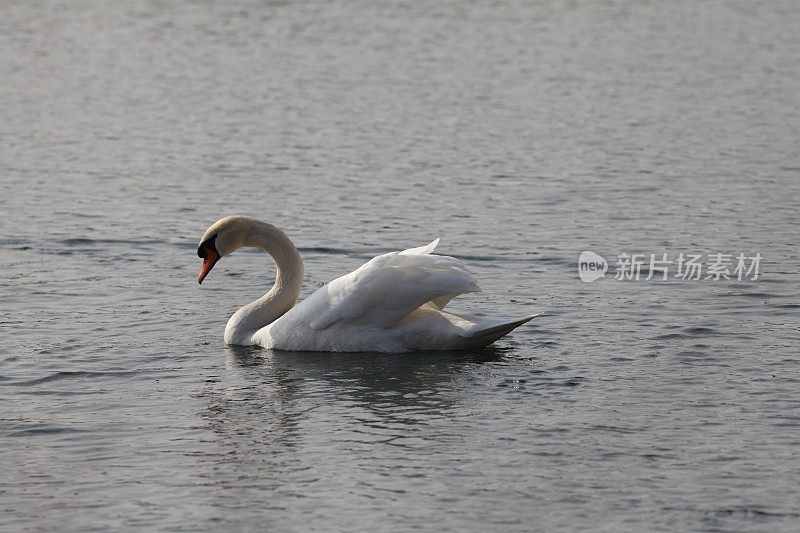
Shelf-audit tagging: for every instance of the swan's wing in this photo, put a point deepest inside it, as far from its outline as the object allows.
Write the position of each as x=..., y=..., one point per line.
x=391, y=286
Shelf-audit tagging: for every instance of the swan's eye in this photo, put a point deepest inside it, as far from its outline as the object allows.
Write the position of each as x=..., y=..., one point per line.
x=208, y=244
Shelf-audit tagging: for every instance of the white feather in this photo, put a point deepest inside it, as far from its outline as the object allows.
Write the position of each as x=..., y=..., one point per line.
x=393, y=303
x=389, y=287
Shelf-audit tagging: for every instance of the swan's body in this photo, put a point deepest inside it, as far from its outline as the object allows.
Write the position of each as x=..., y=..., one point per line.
x=393, y=303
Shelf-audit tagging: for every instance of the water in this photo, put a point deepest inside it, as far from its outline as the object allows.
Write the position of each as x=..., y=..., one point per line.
x=522, y=133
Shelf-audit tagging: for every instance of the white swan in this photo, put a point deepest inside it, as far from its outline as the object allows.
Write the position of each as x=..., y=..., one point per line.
x=393, y=303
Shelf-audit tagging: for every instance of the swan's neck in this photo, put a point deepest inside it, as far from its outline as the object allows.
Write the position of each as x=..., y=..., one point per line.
x=283, y=295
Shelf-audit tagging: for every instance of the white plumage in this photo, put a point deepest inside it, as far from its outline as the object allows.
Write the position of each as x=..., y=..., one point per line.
x=393, y=303
x=391, y=286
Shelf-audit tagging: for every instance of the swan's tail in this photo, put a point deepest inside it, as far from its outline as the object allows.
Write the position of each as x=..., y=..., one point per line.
x=486, y=333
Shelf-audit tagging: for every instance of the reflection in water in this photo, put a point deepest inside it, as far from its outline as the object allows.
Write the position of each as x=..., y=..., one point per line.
x=386, y=385
x=274, y=412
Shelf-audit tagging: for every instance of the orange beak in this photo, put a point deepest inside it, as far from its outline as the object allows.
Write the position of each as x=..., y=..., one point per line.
x=210, y=259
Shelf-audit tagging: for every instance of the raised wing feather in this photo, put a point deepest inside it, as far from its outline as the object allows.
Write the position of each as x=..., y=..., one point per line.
x=390, y=286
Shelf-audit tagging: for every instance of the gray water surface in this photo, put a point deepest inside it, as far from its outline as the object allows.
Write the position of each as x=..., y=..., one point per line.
x=521, y=133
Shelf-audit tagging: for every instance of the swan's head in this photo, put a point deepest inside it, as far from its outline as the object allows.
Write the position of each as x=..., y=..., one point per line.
x=222, y=238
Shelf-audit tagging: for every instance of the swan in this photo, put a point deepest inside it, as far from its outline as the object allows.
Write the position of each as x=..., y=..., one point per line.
x=393, y=303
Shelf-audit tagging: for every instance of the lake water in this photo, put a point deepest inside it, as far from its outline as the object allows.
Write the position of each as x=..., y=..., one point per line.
x=521, y=133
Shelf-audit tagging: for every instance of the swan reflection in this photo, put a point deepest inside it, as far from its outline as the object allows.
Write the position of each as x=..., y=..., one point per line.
x=277, y=401
x=297, y=423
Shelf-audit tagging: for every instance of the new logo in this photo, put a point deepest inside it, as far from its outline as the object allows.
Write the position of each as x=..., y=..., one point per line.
x=591, y=266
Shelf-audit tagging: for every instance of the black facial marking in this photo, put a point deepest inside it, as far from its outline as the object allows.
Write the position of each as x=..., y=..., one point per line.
x=208, y=244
